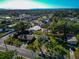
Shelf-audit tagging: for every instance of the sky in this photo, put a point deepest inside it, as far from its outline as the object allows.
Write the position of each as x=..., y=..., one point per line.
x=37, y=4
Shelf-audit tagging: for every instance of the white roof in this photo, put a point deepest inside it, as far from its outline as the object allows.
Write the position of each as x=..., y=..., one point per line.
x=8, y=17
x=12, y=25
x=73, y=39
x=35, y=28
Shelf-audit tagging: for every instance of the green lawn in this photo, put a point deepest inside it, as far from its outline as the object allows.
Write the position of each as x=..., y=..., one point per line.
x=6, y=55
x=13, y=41
x=20, y=57
x=2, y=33
x=76, y=54
x=68, y=56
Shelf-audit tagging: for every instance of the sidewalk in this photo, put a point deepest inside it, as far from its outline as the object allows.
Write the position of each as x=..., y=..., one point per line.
x=72, y=56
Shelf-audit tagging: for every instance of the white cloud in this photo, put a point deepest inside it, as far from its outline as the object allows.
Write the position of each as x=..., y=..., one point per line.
x=23, y=4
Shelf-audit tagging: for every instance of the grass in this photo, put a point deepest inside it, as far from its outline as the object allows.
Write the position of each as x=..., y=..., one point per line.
x=13, y=41
x=6, y=55
x=2, y=33
x=68, y=56
x=20, y=57
x=76, y=53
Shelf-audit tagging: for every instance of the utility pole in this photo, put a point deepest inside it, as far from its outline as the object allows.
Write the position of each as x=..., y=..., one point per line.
x=5, y=45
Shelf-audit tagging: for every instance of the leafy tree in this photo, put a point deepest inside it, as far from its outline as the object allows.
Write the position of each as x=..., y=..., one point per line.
x=3, y=26
x=17, y=43
x=20, y=26
x=54, y=48
x=76, y=27
x=78, y=37
x=34, y=46
x=12, y=41
x=9, y=40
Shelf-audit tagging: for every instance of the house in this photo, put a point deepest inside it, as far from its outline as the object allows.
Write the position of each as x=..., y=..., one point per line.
x=7, y=22
x=35, y=28
x=7, y=17
x=4, y=30
x=1, y=30
x=11, y=25
x=47, y=21
x=46, y=30
x=30, y=38
x=25, y=36
x=24, y=16
x=72, y=40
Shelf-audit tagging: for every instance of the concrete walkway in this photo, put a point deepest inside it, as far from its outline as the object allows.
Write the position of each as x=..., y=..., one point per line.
x=72, y=56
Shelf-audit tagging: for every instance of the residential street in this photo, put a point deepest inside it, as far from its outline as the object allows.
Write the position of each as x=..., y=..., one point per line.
x=20, y=51
x=5, y=37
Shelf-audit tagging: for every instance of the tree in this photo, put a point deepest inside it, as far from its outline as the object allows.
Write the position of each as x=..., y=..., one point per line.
x=78, y=37
x=9, y=40
x=34, y=46
x=17, y=43
x=13, y=41
x=57, y=25
x=21, y=26
x=56, y=49
x=3, y=26
x=75, y=27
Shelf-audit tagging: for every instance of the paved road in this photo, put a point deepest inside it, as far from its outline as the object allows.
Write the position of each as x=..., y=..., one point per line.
x=72, y=56
x=5, y=37
x=20, y=51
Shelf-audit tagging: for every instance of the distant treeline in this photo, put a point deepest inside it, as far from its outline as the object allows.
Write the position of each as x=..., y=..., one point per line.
x=56, y=12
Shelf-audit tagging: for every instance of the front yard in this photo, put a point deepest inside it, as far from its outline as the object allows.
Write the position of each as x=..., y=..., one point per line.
x=2, y=34
x=76, y=53
x=13, y=41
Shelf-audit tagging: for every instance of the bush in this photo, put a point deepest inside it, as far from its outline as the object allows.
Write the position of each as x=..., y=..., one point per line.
x=20, y=57
x=17, y=43
x=12, y=41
